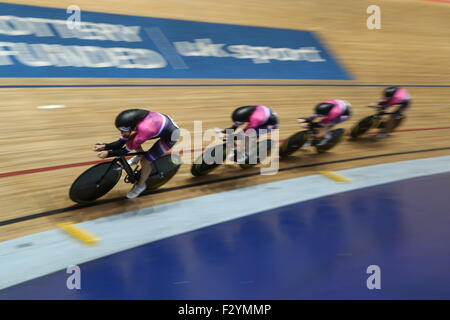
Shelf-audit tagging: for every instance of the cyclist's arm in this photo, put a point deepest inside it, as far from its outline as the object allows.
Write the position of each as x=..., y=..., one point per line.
x=383, y=104
x=118, y=152
x=401, y=107
x=311, y=118
x=117, y=144
x=235, y=126
x=314, y=124
x=116, y=148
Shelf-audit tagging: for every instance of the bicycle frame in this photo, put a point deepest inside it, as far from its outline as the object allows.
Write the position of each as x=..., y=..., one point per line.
x=378, y=118
x=124, y=164
x=311, y=133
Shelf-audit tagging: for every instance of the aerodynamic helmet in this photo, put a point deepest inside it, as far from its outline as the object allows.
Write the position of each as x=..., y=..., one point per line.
x=323, y=108
x=127, y=120
x=242, y=114
x=389, y=92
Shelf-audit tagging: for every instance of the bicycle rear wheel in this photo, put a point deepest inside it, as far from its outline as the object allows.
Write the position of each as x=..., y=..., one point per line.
x=293, y=143
x=336, y=137
x=88, y=186
x=397, y=121
x=163, y=169
x=263, y=151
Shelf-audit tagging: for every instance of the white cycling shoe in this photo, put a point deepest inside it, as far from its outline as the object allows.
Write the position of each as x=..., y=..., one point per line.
x=134, y=161
x=136, y=191
x=324, y=140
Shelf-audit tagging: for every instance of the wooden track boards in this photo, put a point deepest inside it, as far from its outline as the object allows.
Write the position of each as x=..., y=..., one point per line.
x=413, y=49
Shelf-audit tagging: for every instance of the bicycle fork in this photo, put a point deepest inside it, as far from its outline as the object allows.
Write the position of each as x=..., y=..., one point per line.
x=97, y=184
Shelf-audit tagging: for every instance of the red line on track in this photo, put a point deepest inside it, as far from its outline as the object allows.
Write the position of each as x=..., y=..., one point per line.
x=421, y=129
x=64, y=166
x=72, y=165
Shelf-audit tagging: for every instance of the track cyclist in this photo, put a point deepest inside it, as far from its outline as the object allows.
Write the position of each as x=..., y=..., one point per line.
x=259, y=118
x=330, y=113
x=393, y=96
x=136, y=127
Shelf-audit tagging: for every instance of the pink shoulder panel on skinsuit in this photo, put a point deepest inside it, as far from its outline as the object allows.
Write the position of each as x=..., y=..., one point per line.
x=399, y=96
x=147, y=129
x=258, y=117
x=336, y=111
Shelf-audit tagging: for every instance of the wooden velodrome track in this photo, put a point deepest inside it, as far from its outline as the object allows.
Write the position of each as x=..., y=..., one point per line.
x=412, y=48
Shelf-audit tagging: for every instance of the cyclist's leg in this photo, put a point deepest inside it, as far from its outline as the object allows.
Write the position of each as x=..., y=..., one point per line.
x=389, y=125
x=136, y=159
x=154, y=153
x=401, y=110
x=268, y=126
x=265, y=131
x=327, y=128
x=261, y=123
x=324, y=135
x=168, y=138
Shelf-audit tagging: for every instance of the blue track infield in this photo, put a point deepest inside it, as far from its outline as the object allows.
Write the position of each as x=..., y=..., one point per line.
x=317, y=249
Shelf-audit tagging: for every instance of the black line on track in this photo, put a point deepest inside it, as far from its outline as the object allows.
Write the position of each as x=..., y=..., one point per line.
x=201, y=183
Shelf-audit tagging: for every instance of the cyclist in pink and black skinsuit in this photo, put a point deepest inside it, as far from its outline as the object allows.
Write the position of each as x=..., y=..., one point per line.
x=136, y=127
x=393, y=96
x=258, y=117
x=331, y=113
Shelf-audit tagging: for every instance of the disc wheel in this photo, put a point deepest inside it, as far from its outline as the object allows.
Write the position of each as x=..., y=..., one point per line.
x=263, y=151
x=207, y=162
x=292, y=144
x=88, y=186
x=336, y=137
x=362, y=127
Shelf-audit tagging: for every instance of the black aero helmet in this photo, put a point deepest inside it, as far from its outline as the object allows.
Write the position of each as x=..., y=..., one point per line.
x=242, y=114
x=128, y=119
x=323, y=108
x=389, y=92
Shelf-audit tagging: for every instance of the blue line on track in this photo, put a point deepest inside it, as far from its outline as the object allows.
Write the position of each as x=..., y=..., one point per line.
x=220, y=85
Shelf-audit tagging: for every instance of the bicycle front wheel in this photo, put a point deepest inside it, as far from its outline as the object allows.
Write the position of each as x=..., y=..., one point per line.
x=293, y=143
x=362, y=127
x=88, y=186
x=209, y=160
